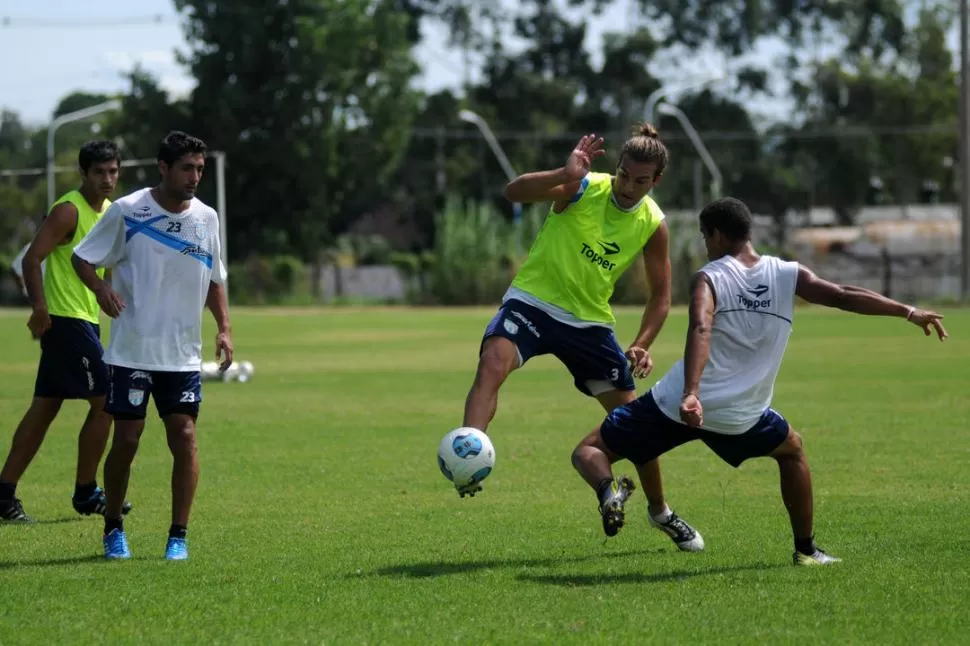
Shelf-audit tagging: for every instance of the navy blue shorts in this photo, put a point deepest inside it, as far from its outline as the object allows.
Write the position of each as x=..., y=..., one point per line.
x=592, y=354
x=70, y=365
x=640, y=431
x=175, y=393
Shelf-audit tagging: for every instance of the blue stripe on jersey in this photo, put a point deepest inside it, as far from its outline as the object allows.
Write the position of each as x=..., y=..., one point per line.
x=183, y=247
x=581, y=191
x=135, y=226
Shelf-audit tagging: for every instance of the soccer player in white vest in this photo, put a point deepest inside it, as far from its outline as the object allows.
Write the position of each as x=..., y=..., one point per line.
x=162, y=245
x=741, y=310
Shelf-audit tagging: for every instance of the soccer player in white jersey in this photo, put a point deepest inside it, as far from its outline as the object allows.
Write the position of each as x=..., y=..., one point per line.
x=162, y=245
x=720, y=393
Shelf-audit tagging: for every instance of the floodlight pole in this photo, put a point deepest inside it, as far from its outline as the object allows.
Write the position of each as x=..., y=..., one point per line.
x=964, y=155
x=661, y=92
x=473, y=118
x=717, y=180
x=77, y=115
x=220, y=158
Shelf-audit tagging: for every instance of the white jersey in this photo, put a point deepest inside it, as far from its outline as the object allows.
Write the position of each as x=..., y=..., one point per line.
x=752, y=324
x=162, y=264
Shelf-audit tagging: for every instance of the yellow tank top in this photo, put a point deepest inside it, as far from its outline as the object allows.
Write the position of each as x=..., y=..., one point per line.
x=65, y=293
x=580, y=253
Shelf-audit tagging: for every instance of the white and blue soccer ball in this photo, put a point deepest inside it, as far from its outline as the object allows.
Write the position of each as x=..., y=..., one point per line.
x=466, y=456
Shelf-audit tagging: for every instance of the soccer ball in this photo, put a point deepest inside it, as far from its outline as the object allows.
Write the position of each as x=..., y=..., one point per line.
x=466, y=456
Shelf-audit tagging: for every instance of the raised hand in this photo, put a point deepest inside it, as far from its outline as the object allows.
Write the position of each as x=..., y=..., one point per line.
x=581, y=160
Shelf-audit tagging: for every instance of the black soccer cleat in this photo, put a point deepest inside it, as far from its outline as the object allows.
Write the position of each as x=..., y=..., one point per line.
x=96, y=504
x=12, y=511
x=470, y=490
x=611, y=505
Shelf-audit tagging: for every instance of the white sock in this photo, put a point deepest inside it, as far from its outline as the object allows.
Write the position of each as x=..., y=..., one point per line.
x=663, y=516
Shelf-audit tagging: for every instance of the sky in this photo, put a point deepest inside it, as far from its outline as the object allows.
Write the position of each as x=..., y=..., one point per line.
x=42, y=61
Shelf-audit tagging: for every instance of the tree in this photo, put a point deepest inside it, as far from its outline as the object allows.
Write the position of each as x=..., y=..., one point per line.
x=310, y=99
x=879, y=101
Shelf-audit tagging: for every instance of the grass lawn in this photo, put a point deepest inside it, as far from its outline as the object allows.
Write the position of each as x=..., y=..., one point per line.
x=322, y=518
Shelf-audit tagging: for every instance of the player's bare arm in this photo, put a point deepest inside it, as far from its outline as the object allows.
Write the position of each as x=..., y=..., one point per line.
x=111, y=303
x=698, y=347
x=17, y=279
x=218, y=304
x=656, y=261
x=57, y=229
x=559, y=185
x=863, y=301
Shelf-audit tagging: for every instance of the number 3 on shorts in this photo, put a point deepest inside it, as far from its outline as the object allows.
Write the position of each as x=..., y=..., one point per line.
x=614, y=374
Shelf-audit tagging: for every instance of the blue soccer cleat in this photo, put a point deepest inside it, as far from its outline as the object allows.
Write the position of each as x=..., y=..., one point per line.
x=116, y=545
x=177, y=549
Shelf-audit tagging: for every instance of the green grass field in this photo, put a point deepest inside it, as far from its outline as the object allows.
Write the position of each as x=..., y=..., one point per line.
x=321, y=516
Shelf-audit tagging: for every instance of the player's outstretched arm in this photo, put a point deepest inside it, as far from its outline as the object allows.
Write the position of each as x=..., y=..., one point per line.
x=864, y=301
x=218, y=304
x=698, y=347
x=656, y=261
x=559, y=185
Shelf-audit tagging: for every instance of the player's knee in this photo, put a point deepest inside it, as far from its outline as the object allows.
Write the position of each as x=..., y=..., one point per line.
x=580, y=454
x=181, y=436
x=46, y=406
x=496, y=362
x=791, y=448
x=126, y=437
x=589, y=445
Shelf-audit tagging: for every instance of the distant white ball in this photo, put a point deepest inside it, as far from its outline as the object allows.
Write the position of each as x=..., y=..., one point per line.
x=466, y=456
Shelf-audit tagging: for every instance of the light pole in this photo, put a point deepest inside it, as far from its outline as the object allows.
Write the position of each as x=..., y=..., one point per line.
x=473, y=118
x=77, y=115
x=964, y=156
x=717, y=180
x=661, y=92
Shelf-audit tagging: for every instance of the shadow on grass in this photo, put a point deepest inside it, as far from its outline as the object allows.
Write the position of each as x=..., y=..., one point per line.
x=443, y=568
x=45, y=521
x=69, y=560
x=579, y=580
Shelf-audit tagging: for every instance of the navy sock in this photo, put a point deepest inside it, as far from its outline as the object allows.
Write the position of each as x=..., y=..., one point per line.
x=805, y=545
x=602, y=488
x=7, y=491
x=84, y=492
x=113, y=523
x=177, y=531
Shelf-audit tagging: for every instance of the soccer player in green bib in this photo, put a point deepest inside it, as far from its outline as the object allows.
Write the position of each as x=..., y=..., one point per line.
x=559, y=302
x=65, y=320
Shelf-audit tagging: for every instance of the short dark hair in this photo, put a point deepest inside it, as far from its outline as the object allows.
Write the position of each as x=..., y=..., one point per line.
x=729, y=216
x=177, y=143
x=98, y=152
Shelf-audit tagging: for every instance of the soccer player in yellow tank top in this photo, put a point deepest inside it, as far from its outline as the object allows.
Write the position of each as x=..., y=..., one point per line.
x=64, y=319
x=558, y=302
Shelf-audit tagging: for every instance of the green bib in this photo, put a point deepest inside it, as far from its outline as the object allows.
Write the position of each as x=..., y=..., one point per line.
x=65, y=293
x=580, y=253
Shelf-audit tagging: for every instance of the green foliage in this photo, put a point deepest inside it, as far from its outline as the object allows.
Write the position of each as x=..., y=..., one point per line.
x=311, y=101
x=475, y=254
x=357, y=249
x=267, y=280
x=314, y=103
